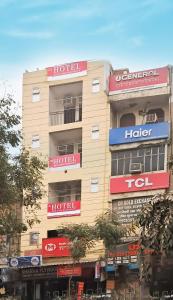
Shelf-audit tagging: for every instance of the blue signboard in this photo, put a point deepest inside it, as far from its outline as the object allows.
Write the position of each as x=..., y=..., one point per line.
x=25, y=261
x=132, y=134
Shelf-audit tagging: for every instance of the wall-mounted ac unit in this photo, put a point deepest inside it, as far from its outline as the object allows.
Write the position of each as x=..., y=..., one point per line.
x=135, y=168
x=150, y=118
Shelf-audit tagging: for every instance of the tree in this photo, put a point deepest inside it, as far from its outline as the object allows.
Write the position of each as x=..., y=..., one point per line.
x=156, y=226
x=83, y=237
x=21, y=176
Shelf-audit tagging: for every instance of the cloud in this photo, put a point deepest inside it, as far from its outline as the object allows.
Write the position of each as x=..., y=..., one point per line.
x=17, y=33
x=110, y=27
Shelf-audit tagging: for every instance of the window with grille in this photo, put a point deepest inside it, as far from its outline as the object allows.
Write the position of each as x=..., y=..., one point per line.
x=35, y=94
x=151, y=159
x=69, y=149
x=159, y=113
x=65, y=192
x=127, y=120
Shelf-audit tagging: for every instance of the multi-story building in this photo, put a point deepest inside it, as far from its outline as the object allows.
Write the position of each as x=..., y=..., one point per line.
x=105, y=135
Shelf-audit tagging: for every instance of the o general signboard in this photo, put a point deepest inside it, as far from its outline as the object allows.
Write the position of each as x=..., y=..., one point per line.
x=137, y=183
x=139, y=133
x=127, y=82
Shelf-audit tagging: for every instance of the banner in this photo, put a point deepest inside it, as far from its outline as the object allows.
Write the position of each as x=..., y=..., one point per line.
x=126, y=82
x=56, y=247
x=25, y=261
x=69, y=70
x=63, y=209
x=69, y=270
x=64, y=162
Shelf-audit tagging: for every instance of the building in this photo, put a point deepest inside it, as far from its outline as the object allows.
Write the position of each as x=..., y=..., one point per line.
x=105, y=135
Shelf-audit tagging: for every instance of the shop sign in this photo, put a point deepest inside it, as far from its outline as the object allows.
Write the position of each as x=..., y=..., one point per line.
x=127, y=210
x=69, y=70
x=3, y=261
x=25, y=261
x=63, y=209
x=56, y=247
x=140, y=182
x=80, y=289
x=64, y=162
x=69, y=270
x=97, y=269
x=138, y=80
x=127, y=253
x=133, y=134
x=39, y=272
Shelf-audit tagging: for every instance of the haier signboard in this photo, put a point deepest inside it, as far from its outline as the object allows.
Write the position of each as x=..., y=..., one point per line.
x=138, y=133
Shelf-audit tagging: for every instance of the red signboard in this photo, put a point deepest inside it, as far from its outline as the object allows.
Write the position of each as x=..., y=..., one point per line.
x=132, y=81
x=131, y=249
x=140, y=182
x=64, y=162
x=69, y=70
x=80, y=288
x=66, y=271
x=55, y=247
x=63, y=209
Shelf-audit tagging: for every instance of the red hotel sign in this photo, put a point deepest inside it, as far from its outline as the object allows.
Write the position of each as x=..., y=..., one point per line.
x=137, y=80
x=55, y=247
x=137, y=183
x=67, y=271
x=63, y=209
x=64, y=162
x=69, y=70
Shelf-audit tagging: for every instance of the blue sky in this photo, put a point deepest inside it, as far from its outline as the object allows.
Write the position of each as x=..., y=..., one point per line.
x=40, y=33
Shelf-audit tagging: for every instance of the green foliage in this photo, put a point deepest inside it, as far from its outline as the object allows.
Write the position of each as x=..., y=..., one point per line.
x=109, y=230
x=21, y=175
x=83, y=236
x=156, y=223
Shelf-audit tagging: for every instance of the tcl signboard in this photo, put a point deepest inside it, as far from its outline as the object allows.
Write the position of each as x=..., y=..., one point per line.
x=138, y=80
x=68, y=70
x=137, y=183
x=133, y=134
x=64, y=162
x=55, y=247
x=63, y=209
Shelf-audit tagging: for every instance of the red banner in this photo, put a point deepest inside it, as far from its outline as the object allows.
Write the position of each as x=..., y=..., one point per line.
x=64, y=162
x=63, y=209
x=55, y=247
x=68, y=70
x=80, y=289
x=67, y=271
x=137, y=183
x=137, y=80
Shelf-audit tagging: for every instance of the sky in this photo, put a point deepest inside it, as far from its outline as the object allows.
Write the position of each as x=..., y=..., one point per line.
x=41, y=33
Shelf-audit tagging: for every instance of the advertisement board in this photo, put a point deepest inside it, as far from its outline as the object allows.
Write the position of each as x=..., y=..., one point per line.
x=64, y=162
x=25, y=261
x=139, y=182
x=133, y=134
x=69, y=270
x=128, y=209
x=126, y=82
x=69, y=70
x=55, y=247
x=39, y=272
x=63, y=209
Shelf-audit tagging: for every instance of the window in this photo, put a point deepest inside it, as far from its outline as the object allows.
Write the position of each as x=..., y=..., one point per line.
x=127, y=120
x=69, y=149
x=151, y=159
x=35, y=141
x=34, y=238
x=94, y=185
x=159, y=113
x=35, y=94
x=65, y=192
x=95, y=132
x=95, y=86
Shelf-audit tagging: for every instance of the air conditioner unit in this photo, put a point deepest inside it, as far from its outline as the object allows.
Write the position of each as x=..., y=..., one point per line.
x=135, y=168
x=150, y=118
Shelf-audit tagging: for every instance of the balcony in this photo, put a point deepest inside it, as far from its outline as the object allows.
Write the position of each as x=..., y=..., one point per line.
x=65, y=150
x=64, y=199
x=65, y=104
